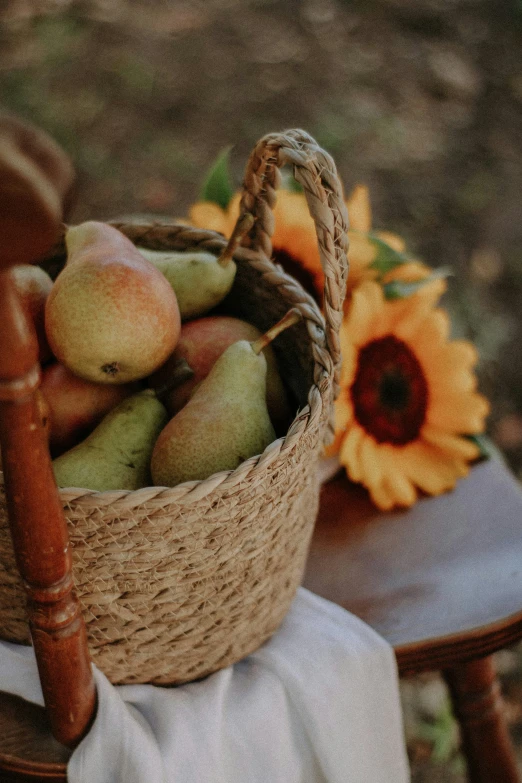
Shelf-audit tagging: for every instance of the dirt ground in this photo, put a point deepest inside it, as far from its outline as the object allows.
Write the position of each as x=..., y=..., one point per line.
x=420, y=99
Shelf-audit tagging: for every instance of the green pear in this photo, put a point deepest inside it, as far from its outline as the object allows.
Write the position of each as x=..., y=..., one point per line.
x=200, y=279
x=116, y=455
x=201, y=342
x=225, y=421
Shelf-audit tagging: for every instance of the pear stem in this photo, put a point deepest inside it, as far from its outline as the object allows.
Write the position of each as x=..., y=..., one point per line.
x=241, y=229
x=181, y=372
x=291, y=318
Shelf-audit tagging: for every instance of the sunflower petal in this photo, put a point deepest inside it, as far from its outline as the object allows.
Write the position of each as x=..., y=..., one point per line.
x=394, y=241
x=452, y=445
x=410, y=271
x=401, y=489
x=460, y=381
x=343, y=411
x=349, y=356
x=359, y=209
x=382, y=496
x=444, y=361
x=206, y=214
x=433, y=332
x=370, y=463
x=364, y=306
x=415, y=318
x=429, y=469
x=294, y=233
x=458, y=413
x=361, y=250
x=331, y=449
x=349, y=452
x=398, y=483
x=361, y=253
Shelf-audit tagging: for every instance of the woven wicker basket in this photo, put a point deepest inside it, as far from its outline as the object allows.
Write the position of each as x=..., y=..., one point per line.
x=177, y=583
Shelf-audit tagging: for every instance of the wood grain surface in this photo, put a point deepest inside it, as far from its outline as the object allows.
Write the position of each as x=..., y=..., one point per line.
x=442, y=582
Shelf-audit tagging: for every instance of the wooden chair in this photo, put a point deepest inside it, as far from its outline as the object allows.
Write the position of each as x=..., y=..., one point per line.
x=442, y=582
x=36, y=180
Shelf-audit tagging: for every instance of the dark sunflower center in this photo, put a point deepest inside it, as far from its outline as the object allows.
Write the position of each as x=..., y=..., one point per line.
x=394, y=391
x=390, y=392
x=291, y=265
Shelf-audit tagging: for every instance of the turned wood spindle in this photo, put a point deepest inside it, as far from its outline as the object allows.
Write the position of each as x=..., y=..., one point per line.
x=30, y=217
x=478, y=706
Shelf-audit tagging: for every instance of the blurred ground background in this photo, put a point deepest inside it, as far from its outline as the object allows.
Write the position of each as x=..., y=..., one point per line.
x=420, y=99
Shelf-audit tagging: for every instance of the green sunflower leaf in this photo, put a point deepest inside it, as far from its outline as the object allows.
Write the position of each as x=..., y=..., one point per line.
x=387, y=257
x=486, y=447
x=289, y=182
x=217, y=186
x=399, y=289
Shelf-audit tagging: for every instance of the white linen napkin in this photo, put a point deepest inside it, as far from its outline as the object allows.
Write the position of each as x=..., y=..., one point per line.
x=317, y=703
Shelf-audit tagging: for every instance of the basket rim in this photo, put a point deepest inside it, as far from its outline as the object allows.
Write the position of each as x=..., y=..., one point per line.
x=156, y=233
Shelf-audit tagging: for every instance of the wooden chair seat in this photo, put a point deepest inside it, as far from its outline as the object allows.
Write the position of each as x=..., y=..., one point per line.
x=442, y=582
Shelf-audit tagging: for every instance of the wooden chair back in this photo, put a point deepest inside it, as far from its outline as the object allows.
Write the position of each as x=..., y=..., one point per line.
x=35, y=176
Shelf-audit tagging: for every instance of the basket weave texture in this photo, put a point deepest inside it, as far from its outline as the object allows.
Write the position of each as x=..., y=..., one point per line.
x=176, y=583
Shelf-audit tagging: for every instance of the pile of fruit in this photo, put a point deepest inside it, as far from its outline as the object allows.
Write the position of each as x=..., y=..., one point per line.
x=141, y=385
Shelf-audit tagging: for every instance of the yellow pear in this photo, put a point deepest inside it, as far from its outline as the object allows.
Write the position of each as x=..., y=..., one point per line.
x=111, y=316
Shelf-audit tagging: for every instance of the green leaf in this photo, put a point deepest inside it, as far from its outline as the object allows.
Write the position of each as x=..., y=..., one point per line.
x=289, y=182
x=387, y=258
x=218, y=183
x=486, y=447
x=398, y=289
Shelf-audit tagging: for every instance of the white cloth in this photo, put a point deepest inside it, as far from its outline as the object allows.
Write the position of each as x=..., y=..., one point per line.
x=318, y=703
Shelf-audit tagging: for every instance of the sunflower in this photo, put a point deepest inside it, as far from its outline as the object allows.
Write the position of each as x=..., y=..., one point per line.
x=408, y=395
x=295, y=244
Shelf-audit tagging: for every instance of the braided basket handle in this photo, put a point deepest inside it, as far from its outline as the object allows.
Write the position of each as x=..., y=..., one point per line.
x=315, y=171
